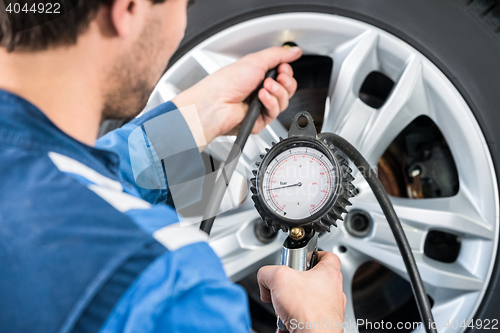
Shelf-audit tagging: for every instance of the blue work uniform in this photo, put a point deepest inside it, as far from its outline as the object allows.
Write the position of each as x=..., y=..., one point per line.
x=83, y=248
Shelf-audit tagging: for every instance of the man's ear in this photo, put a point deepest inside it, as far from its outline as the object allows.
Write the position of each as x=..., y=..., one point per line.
x=123, y=16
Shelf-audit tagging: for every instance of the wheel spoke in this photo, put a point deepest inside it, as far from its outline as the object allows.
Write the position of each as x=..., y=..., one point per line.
x=237, y=190
x=347, y=113
x=406, y=102
x=212, y=61
x=351, y=261
x=459, y=216
x=273, y=132
x=350, y=264
x=454, y=276
x=256, y=144
x=167, y=91
x=369, y=129
x=456, y=215
x=436, y=274
x=234, y=241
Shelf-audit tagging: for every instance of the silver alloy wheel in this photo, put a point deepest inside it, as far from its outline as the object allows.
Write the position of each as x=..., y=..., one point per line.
x=420, y=88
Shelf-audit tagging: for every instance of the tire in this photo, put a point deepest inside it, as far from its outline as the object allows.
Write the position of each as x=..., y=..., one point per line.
x=461, y=37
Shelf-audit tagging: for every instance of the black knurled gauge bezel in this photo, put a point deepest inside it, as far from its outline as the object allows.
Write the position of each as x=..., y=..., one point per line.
x=282, y=147
x=336, y=204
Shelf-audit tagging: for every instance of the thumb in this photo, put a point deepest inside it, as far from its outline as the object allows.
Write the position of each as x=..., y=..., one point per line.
x=265, y=277
x=273, y=56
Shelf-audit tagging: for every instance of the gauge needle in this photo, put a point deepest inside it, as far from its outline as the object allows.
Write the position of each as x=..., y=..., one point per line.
x=279, y=188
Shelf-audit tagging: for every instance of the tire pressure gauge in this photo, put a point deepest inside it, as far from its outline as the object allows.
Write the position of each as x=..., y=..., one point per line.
x=303, y=185
x=301, y=181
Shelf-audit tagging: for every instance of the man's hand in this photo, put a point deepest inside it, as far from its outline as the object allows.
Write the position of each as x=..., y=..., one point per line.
x=300, y=297
x=220, y=98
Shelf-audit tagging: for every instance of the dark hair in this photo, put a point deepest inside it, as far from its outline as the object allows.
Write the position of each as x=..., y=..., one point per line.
x=31, y=27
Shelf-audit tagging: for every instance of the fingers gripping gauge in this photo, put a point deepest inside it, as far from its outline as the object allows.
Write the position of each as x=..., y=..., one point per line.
x=302, y=181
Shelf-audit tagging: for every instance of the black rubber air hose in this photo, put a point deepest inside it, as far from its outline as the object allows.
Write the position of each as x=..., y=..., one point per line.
x=222, y=182
x=369, y=174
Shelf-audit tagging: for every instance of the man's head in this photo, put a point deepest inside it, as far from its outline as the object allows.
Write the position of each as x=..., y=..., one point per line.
x=131, y=39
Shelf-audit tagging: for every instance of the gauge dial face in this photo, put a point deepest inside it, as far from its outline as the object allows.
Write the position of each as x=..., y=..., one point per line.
x=298, y=182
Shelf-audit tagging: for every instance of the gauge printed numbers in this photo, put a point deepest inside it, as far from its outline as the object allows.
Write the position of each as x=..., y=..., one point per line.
x=298, y=183
x=36, y=8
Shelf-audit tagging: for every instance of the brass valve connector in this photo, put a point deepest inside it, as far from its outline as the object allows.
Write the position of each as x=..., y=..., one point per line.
x=297, y=233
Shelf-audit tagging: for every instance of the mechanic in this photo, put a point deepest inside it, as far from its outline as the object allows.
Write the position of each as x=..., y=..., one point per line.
x=83, y=247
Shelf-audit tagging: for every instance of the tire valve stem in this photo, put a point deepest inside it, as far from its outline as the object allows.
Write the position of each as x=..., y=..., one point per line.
x=297, y=233
x=289, y=44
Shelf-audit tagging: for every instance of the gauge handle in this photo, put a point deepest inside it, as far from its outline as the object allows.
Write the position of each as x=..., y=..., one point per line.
x=299, y=255
x=222, y=182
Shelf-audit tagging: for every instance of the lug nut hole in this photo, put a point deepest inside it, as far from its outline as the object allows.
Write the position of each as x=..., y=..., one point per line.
x=358, y=223
x=264, y=233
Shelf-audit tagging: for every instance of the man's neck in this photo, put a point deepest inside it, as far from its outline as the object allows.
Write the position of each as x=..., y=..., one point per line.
x=62, y=83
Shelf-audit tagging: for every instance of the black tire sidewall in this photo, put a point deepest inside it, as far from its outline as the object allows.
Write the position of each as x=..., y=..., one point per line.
x=451, y=33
